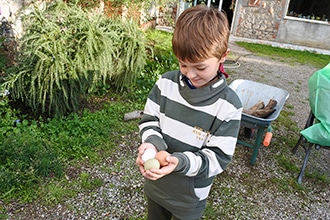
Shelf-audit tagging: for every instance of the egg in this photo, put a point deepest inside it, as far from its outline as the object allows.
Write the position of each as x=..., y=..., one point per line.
x=148, y=154
x=151, y=164
x=161, y=157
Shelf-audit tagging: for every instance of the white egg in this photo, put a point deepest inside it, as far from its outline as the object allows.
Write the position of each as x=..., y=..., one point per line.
x=148, y=154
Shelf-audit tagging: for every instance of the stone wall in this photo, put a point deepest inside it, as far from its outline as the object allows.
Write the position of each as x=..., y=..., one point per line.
x=10, y=27
x=9, y=15
x=258, y=19
x=9, y=8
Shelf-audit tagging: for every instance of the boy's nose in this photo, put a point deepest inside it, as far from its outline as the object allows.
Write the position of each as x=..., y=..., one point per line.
x=190, y=74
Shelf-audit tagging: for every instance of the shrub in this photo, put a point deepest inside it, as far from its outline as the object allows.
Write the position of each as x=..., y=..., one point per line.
x=67, y=52
x=7, y=114
x=26, y=158
x=160, y=60
x=2, y=57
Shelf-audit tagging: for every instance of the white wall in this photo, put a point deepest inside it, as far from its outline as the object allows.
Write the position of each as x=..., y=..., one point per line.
x=304, y=32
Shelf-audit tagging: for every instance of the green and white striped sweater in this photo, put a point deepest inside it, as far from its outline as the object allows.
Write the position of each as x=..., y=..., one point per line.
x=199, y=127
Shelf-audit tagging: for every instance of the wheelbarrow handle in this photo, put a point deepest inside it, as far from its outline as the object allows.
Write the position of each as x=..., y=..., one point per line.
x=268, y=136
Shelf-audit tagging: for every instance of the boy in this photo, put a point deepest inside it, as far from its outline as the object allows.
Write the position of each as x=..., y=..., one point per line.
x=193, y=115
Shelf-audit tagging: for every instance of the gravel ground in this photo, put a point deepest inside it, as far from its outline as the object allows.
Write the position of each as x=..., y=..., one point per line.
x=266, y=190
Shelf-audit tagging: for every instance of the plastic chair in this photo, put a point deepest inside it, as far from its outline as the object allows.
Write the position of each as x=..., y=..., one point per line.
x=317, y=128
x=308, y=146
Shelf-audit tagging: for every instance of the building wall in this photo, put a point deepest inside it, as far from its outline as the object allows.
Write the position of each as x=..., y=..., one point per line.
x=307, y=33
x=266, y=20
x=9, y=12
x=257, y=19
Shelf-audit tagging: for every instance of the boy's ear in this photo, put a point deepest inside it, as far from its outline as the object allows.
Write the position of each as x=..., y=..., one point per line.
x=224, y=56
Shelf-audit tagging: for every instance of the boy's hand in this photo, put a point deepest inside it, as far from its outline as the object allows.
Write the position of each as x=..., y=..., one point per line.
x=141, y=150
x=154, y=174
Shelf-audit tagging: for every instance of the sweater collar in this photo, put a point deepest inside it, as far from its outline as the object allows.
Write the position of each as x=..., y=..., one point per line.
x=200, y=95
x=184, y=81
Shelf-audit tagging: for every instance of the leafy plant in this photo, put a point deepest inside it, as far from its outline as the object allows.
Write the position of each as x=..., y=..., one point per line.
x=67, y=53
x=161, y=59
x=8, y=115
x=35, y=153
x=85, y=3
x=26, y=158
x=2, y=58
x=128, y=2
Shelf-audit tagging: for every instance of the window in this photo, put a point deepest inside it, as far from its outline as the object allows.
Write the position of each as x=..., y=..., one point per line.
x=226, y=5
x=310, y=9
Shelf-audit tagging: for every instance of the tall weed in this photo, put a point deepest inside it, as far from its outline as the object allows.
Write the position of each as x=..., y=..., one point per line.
x=67, y=52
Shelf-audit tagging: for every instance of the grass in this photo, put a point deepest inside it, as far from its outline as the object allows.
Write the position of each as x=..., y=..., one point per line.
x=287, y=55
x=33, y=154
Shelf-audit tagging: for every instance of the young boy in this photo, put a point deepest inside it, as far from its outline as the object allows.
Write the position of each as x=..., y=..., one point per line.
x=192, y=114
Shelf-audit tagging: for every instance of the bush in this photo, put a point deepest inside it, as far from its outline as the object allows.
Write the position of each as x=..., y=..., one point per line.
x=67, y=53
x=160, y=60
x=7, y=114
x=2, y=58
x=26, y=158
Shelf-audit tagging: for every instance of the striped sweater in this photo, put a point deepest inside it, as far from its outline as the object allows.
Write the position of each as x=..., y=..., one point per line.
x=199, y=127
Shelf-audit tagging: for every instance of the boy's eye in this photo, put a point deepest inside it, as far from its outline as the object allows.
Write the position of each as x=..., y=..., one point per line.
x=201, y=68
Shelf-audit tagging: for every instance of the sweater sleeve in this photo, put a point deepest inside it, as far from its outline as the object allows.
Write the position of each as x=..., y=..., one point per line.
x=149, y=125
x=216, y=154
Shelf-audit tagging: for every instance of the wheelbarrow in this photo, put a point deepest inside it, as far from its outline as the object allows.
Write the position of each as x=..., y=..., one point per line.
x=250, y=93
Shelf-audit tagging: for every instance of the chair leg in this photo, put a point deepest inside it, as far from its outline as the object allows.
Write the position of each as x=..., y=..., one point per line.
x=307, y=151
x=300, y=141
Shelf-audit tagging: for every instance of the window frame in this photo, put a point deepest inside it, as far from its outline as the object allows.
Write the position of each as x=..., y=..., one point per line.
x=289, y=17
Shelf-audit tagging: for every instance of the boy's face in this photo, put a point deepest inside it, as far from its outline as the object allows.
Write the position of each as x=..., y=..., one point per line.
x=200, y=74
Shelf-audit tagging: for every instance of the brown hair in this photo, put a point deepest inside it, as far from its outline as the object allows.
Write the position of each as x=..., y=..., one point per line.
x=200, y=33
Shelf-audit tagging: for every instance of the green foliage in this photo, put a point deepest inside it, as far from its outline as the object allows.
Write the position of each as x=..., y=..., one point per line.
x=55, y=192
x=130, y=54
x=161, y=59
x=2, y=58
x=67, y=53
x=77, y=137
x=4, y=107
x=85, y=3
x=161, y=42
x=317, y=60
x=26, y=158
x=7, y=114
x=119, y=3
x=34, y=153
x=87, y=182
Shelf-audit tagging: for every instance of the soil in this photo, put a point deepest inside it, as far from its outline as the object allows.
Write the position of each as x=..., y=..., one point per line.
x=266, y=190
